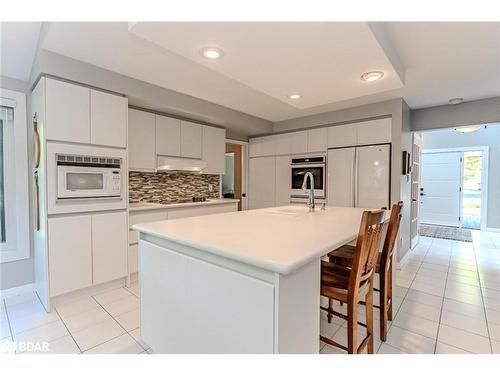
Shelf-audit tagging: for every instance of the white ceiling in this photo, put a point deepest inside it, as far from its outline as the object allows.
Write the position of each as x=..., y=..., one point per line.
x=264, y=62
x=18, y=42
x=322, y=61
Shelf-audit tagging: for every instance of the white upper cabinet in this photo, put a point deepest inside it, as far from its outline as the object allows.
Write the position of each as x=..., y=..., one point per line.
x=214, y=149
x=342, y=136
x=262, y=146
x=374, y=131
x=191, y=140
x=108, y=119
x=317, y=140
x=168, y=136
x=282, y=144
x=360, y=133
x=67, y=112
x=141, y=145
x=298, y=142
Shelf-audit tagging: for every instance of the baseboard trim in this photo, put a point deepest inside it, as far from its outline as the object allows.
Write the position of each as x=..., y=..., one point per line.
x=12, y=292
x=402, y=262
x=492, y=229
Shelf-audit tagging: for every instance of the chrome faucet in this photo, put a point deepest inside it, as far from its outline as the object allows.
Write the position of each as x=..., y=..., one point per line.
x=310, y=199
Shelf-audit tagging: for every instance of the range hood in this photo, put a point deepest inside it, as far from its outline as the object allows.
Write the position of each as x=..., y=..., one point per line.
x=172, y=164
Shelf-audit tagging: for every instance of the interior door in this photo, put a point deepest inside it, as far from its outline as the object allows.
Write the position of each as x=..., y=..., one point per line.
x=440, y=188
x=415, y=189
x=340, y=186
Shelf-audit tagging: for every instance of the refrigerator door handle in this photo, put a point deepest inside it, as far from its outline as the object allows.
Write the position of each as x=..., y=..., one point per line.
x=355, y=177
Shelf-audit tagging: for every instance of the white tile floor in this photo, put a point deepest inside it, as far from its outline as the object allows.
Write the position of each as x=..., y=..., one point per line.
x=107, y=322
x=446, y=300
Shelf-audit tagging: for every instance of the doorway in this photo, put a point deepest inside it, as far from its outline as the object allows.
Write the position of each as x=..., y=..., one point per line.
x=232, y=180
x=452, y=188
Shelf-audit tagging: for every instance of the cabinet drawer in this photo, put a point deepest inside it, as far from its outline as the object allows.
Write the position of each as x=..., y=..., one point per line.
x=146, y=217
x=201, y=211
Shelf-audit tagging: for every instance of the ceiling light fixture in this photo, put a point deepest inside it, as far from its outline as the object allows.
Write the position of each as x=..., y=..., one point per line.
x=455, y=101
x=468, y=129
x=294, y=96
x=212, y=53
x=372, y=76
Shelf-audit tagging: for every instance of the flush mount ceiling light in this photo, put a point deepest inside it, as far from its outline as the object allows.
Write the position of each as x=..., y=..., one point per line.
x=455, y=101
x=294, y=96
x=212, y=53
x=372, y=76
x=468, y=129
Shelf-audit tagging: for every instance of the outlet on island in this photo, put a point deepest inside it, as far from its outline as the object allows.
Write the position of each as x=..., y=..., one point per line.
x=210, y=187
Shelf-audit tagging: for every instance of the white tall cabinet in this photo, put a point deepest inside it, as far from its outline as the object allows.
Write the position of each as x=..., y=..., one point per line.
x=77, y=245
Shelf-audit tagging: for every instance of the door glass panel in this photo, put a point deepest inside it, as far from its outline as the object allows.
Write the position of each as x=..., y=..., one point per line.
x=298, y=177
x=228, y=178
x=472, y=189
x=84, y=181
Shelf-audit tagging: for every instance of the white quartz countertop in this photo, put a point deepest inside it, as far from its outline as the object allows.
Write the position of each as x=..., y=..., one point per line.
x=278, y=239
x=142, y=206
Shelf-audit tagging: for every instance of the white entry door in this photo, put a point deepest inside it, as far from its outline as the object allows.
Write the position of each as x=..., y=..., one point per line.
x=440, y=188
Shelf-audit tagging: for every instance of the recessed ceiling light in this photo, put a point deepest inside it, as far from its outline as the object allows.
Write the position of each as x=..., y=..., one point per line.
x=294, y=96
x=468, y=129
x=212, y=53
x=455, y=101
x=372, y=76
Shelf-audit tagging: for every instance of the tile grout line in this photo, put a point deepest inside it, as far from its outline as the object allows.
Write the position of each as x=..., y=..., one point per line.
x=442, y=301
x=64, y=323
x=117, y=322
x=404, y=298
x=8, y=320
x=482, y=296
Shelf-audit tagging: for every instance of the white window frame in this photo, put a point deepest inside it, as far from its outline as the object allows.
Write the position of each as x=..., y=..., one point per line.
x=17, y=193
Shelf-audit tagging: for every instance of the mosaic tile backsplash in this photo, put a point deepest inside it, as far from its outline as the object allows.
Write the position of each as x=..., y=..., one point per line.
x=170, y=187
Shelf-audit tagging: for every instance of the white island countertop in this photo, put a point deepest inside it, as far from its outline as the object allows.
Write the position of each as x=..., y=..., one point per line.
x=144, y=206
x=278, y=239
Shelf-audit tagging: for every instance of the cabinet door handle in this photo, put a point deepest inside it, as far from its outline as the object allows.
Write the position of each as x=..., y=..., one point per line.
x=36, y=204
x=37, y=143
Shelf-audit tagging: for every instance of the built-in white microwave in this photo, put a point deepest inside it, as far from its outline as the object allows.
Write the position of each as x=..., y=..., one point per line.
x=83, y=177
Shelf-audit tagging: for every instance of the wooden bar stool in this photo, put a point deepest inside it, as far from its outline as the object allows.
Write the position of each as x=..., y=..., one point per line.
x=345, y=254
x=350, y=284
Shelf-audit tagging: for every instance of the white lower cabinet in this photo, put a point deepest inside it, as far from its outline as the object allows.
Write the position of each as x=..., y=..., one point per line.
x=86, y=250
x=133, y=258
x=109, y=246
x=70, y=253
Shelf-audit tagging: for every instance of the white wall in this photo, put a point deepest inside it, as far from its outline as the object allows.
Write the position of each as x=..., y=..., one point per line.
x=449, y=138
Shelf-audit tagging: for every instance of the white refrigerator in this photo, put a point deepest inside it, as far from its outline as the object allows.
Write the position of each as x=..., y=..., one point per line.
x=359, y=176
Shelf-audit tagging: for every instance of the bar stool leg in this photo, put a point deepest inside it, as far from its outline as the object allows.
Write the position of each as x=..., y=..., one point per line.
x=383, y=307
x=352, y=326
x=389, y=291
x=369, y=317
x=330, y=308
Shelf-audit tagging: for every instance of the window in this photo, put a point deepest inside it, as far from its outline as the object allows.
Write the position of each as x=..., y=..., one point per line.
x=14, y=204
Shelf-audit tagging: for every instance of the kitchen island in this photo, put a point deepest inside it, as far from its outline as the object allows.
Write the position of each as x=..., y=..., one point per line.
x=240, y=282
